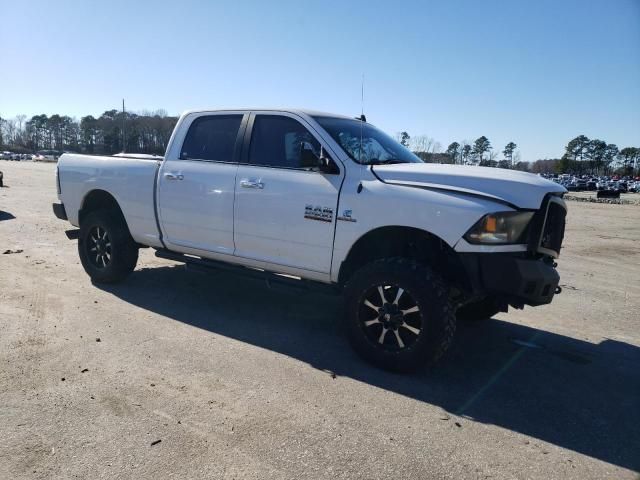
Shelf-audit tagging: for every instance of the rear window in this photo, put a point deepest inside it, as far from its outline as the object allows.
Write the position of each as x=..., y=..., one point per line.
x=212, y=138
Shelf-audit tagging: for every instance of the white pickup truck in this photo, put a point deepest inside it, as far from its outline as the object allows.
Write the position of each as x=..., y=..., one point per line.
x=326, y=200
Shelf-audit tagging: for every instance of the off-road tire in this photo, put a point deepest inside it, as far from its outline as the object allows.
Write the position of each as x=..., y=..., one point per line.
x=122, y=250
x=421, y=285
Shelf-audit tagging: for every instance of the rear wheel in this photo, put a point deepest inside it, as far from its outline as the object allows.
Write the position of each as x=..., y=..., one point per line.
x=399, y=315
x=107, y=251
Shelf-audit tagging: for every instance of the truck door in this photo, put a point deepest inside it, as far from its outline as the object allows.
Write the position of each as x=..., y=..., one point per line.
x=196, y=188
x=284, y=214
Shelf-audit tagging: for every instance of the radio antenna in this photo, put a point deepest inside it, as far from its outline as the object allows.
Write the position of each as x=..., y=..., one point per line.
x=362, y=98
x=362, y=117
x=124, y=134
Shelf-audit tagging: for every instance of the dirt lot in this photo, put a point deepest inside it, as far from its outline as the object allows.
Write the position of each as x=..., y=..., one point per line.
x=239, y=381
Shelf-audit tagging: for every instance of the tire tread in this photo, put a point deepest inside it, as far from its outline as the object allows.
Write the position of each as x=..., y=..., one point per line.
x=124, y=260
x=426, y=280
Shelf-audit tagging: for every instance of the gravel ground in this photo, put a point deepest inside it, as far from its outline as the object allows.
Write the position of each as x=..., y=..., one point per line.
x=175, y=374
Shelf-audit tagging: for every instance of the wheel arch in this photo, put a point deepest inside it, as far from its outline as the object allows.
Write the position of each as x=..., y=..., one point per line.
x=409, y=242
x=99, y=199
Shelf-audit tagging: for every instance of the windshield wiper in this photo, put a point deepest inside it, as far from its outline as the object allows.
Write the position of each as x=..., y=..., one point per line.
x=388, y=161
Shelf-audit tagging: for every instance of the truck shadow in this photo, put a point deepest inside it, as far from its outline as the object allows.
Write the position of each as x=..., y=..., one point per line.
x=577, y=395
x=6, y=216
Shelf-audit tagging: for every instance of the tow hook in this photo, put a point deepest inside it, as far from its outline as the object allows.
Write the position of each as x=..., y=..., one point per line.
x=558, y=289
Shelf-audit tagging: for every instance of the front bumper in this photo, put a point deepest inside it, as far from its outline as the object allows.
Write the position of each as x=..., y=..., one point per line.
x=513, y=278
x=59, y=211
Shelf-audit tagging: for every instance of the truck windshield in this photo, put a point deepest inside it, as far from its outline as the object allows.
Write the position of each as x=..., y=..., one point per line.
x=364, y=143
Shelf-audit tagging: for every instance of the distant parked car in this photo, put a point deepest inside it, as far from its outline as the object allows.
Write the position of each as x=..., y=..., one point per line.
x=5, y=155
x=46, y=156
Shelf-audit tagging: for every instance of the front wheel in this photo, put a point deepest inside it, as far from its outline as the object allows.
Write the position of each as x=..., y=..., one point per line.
x=107, y=251
x=399, y=315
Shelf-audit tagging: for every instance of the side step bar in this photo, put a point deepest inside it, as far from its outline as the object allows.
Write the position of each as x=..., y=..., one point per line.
x=273, y=280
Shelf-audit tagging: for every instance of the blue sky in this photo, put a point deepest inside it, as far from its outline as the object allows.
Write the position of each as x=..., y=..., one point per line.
x=536, y=73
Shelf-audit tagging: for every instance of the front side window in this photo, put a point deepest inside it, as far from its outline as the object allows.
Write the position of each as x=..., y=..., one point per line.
x=364, y=143
x=211, y=138
x=276, y=141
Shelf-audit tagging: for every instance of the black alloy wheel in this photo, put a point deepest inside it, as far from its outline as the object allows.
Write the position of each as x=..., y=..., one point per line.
x=99, y=247
x=399, y=315
x=390, y=317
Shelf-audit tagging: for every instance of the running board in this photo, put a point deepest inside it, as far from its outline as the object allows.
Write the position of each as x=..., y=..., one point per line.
x=273, y=280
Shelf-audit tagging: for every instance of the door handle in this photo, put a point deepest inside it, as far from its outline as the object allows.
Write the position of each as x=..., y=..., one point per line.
x=246, y=183
x=174, y=176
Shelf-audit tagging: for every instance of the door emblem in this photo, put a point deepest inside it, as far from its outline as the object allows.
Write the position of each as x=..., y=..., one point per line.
x=346, y=216
x=322, y=214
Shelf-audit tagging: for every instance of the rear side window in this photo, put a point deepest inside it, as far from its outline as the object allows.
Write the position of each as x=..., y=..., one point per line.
x=276, y=141
x=211, y=138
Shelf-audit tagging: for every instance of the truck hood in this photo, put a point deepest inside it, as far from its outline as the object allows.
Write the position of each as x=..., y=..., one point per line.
x=519, y=189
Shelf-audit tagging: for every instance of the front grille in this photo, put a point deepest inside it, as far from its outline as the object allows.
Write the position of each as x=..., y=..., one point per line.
x=553, y=229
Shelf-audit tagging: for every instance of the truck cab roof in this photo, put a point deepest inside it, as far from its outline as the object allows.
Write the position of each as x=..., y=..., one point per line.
x=298, y=111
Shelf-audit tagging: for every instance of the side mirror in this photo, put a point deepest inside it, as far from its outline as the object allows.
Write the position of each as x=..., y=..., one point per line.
x=309, y=159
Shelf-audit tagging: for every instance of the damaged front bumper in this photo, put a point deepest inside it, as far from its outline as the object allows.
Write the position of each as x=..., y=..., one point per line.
x=512, y=278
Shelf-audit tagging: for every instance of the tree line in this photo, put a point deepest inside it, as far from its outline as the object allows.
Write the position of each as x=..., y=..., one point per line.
x=582, y=156
x=149, y=132
x=597, y=157
x=145, y=132
x=479, y=152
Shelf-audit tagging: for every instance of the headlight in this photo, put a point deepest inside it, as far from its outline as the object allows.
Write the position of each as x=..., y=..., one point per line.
x=500, y=228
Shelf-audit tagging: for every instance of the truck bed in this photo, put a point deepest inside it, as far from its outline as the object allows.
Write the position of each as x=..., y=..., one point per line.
x=129, y=179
